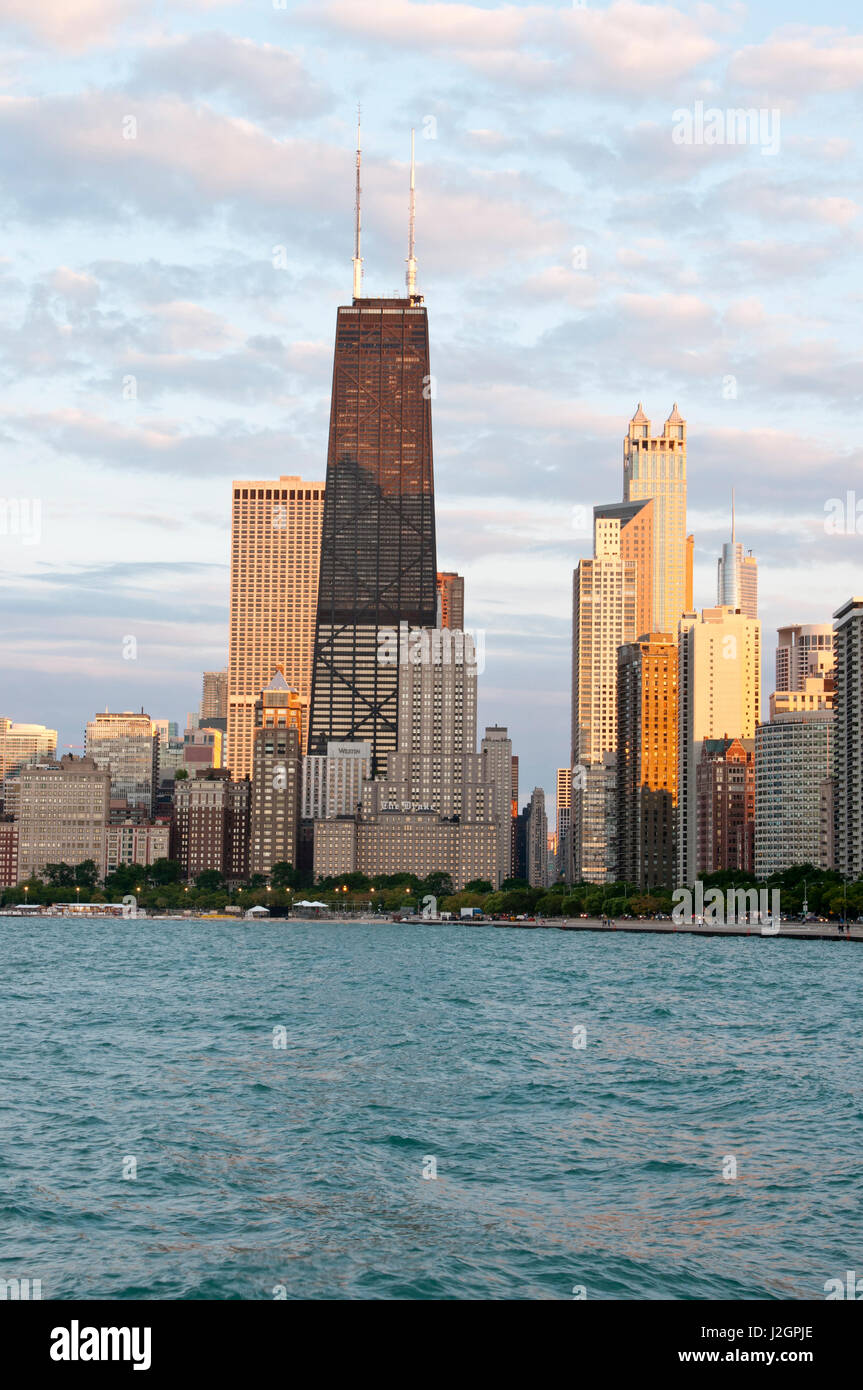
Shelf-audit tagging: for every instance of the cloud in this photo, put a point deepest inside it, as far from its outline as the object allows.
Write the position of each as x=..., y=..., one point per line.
x=798, y=63
x=260, y=79
x=626, y=49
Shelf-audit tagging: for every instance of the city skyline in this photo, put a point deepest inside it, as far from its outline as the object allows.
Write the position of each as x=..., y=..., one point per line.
x=229, y=353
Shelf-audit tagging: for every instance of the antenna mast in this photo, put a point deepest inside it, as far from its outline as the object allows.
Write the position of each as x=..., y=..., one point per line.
x=411, y=274
x=732, y=516
x=358, y=260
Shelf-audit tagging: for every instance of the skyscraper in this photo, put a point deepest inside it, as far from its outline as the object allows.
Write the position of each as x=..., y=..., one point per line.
x=450, y=589
x=803, y=649
x=564, y=816
x=127, y=746
x=378, y=557
x=848, y=746
x=275, y=547
x=792, y=765
x=607, y=601
x=214, y=695
x=537, y=841
x=496, y=749
x=437, y=720
x=655, y=466
x=647, y=760
x=23, y=743
x=737, y=576
x=719, y=696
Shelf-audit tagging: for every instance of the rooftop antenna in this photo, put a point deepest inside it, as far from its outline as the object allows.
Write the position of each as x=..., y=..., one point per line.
x=358, y=260
x=732, y=516
x=411, y=274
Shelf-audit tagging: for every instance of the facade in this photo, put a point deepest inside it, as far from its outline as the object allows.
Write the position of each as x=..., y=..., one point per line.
x=725, y=806
x=24, y=743
x=275, y=803
x=126, y=745
x=437, y=697
x=214, y=695
x=719, y=696
x=210, y=825
x=737, y=579
x=564, y=817
x=646, y=794
x=848, y=757
x=655, y=466
x=133, y=843
x=792, y=764
x=816, y=692
x=275, y=551
x=537, y=841
x=637, y=522
x=378, y=557
x=62, y=813
x=496, y=754
x=202, y=749
x=332, y=783
x=607, y=600
x=803, y=649
x=384, y=841
x=8, y=852
x=450, y=589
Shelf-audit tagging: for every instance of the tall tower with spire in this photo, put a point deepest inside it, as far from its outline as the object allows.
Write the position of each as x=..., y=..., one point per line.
x=378, y=568
x=655, y=466
x=737, y=575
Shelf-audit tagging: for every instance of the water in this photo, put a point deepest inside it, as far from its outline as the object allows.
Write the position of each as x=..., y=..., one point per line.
x=262, y=1169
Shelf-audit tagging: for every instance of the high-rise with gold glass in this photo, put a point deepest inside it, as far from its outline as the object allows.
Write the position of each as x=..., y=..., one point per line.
x=655, y=466
x=275, y=551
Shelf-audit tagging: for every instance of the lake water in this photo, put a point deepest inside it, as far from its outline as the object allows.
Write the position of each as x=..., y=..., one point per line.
x=265, y=1171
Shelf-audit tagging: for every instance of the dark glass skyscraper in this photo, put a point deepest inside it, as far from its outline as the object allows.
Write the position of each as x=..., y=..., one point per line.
x=378, y=559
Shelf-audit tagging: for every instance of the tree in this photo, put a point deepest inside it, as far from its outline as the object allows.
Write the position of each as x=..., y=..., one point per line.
x=60, y=875
x=510, y=883
x=479, y=885
x=181, y=775
x=283, y=875
x=437, y=885
x=210, y=881
x=163, y=871
x=86, y=873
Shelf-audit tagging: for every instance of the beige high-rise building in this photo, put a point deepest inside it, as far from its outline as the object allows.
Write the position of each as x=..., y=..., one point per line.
x=24, y=743
x=608, y=604
x=437, y=718
x=496, y=751
x=564, y=817
x=62, y=812
x=655, y=466
x=719, y=696
x=276, y=772
x=275, y=556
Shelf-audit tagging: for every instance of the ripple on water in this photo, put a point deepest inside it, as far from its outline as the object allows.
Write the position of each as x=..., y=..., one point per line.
x=261, y=1166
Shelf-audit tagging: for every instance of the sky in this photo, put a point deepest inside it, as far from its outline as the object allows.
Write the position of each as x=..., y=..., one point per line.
x=176, y=198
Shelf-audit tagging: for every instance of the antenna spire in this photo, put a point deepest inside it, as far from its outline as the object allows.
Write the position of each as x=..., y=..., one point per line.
x=358, y=260
x=411, y=273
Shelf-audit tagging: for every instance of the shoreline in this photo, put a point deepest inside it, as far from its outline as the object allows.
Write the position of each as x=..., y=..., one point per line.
x=799, y=931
